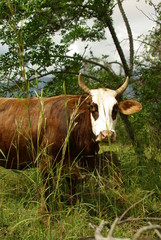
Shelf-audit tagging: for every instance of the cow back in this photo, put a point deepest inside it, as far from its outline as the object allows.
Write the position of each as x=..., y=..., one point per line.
x=29, y=125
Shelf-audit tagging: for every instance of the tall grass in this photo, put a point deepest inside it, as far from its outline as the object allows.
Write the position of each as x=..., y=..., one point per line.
x=103, y=193
x=100, y=197
x=107, y=191
x=118, y=181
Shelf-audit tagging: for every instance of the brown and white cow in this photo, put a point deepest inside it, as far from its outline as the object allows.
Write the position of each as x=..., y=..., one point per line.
x=34, y=130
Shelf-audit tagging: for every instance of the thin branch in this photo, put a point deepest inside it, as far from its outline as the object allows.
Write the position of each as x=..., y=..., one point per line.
x=115, y=62
x=117, y=221
x=153, y=20
x=65, y=72
x=144, y=229
x=156, y=231
x=98, y=235
x=112, y=229
x=85, y=60
x=139, y=219
x=133, y=205
x=143, y=42
x=131, y=45
x=106, y=68
x=76, y=73
x=117, y=45
x=99, y=230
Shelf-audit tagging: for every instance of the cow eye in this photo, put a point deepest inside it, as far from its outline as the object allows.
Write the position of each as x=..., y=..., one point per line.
x=114, y=111
x=94, y=111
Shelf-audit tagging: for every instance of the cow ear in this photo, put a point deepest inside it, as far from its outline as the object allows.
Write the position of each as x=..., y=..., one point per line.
x=128, y=107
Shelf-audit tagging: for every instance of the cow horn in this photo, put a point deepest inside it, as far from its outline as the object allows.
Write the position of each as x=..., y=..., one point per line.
x=123, y=87
x=82, y=85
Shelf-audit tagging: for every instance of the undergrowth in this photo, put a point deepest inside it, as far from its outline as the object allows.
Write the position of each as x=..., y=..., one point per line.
x=119, y=180
x=103, y=194
x=100, y=195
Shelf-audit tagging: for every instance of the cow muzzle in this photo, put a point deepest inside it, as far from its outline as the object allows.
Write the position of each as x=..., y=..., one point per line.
x=106, y=136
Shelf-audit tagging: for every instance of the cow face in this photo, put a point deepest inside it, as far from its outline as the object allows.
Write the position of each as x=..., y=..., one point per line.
x=103, y=126
x=104, y=109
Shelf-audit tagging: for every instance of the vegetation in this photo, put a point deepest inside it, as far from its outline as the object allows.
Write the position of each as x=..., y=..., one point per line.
x=36, y=59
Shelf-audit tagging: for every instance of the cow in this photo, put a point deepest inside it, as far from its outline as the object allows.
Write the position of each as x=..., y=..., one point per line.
x=62, y=129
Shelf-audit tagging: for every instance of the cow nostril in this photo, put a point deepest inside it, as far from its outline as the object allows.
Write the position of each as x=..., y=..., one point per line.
x=113, y=135
x=104, y=134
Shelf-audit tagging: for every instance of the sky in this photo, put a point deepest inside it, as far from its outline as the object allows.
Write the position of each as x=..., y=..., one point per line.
x=140, y=24
x=137, y=13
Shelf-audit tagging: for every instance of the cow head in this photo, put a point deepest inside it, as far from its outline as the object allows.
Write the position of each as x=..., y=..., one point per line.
x=104, y=109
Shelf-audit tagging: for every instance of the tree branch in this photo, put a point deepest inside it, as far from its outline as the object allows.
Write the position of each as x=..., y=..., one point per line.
x=139, y=219
x=117, y=44
x=65, y=72
x=133, y=205
x=144, y=229
x=131, y=45
x=108, y=69
x=156, y=231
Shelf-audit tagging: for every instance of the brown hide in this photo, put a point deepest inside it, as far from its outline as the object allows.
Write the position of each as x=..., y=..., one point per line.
x=29, y=125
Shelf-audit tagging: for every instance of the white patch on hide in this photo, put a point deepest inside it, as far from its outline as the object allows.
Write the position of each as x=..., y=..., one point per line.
x=105, y=99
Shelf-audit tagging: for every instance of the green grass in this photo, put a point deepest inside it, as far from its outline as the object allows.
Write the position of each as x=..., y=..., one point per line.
x=102, y=196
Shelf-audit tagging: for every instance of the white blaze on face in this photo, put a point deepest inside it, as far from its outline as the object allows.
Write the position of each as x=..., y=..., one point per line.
x=105, y=99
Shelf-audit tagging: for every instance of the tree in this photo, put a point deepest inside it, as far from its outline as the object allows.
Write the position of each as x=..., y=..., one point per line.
x=30, y=27
x=148, y=87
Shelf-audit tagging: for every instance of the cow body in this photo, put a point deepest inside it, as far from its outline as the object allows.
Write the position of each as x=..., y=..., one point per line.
x=61, y=130
x=29, y=125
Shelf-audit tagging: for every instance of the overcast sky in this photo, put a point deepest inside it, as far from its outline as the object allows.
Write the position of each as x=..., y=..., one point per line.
x=137, y=13
x=139, y=23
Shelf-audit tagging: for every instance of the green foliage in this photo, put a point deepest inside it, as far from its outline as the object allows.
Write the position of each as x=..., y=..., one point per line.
x=100, y=196
x=147, y=90
x=148, y=87
x=31, y=29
